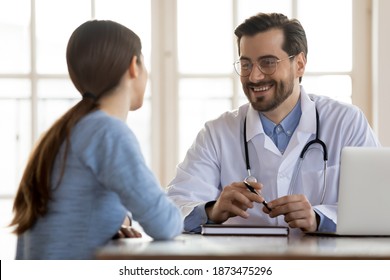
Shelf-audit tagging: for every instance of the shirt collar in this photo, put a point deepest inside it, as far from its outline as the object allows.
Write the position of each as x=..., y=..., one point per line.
x=289, y=123
x=305, y=125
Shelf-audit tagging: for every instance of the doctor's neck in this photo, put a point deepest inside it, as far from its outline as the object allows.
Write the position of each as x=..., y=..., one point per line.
x=278, y=114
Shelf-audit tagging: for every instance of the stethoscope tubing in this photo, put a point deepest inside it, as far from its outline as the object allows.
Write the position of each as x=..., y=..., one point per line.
x=317, y=140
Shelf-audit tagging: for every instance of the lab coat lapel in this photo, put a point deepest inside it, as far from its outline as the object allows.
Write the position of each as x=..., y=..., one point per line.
x=254, y=128
x=305, y=130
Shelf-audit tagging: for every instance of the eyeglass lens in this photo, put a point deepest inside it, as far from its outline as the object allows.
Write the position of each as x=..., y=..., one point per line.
x=266, y=65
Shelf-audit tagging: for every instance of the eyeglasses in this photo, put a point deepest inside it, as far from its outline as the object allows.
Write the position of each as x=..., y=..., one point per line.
x=266, y=65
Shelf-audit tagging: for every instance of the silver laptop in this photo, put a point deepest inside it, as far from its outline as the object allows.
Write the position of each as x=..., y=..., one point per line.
x=364, y=192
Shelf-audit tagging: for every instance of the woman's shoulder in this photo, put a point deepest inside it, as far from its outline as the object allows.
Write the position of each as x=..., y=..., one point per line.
x=99, y=127
x=98, y=122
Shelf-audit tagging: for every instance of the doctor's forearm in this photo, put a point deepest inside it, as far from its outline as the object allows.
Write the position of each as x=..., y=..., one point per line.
x=325, y=224
x=196, y=218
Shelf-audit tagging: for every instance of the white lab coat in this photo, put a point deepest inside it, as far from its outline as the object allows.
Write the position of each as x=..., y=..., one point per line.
x=217, y=158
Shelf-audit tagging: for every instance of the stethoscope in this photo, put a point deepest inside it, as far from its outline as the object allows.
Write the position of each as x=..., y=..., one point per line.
x=317, y=140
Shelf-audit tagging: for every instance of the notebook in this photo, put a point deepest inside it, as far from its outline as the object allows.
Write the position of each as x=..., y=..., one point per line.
x=364, y=192
x=228, y=229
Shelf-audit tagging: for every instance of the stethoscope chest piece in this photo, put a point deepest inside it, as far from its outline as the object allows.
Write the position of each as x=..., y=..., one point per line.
x=250, y=178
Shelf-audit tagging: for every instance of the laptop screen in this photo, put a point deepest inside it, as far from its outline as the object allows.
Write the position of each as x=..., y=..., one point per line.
x=364, y=191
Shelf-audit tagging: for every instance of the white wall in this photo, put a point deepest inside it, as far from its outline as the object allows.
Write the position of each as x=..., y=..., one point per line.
x=381, y=69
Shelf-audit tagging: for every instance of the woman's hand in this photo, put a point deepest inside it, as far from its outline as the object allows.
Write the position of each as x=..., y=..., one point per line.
x=127, y=231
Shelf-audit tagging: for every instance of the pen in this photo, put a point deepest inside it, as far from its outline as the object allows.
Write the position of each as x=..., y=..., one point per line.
x=249, y=187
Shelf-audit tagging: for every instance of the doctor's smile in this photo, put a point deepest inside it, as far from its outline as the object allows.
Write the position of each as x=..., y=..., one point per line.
x=261, y=90
x=258, y=93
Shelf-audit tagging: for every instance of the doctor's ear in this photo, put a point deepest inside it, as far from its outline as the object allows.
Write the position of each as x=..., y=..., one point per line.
x=301, y=64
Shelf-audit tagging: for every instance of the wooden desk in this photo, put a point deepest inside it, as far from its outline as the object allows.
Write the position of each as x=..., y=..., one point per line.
x=299, y=246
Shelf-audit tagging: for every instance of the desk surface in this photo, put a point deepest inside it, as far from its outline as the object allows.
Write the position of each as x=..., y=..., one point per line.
x=195, y=246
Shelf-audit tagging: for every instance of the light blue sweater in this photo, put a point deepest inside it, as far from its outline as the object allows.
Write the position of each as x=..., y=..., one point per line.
x=105, y=177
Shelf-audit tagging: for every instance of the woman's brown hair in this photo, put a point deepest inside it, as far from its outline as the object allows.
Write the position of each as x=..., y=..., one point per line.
x=98, y=54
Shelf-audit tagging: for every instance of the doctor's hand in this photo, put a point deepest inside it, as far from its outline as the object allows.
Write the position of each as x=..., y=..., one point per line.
x=297, y=211
x=234, y=200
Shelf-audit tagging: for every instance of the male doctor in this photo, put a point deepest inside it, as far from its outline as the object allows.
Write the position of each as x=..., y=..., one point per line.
x=293, y=141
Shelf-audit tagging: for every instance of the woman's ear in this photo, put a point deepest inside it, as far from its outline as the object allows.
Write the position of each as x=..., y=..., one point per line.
x=133, y=68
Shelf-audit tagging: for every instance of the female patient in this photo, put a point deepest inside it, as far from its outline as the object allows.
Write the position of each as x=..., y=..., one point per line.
x=87, y=171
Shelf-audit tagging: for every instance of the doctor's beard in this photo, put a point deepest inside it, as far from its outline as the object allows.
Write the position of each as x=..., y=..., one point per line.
x=282, y=91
